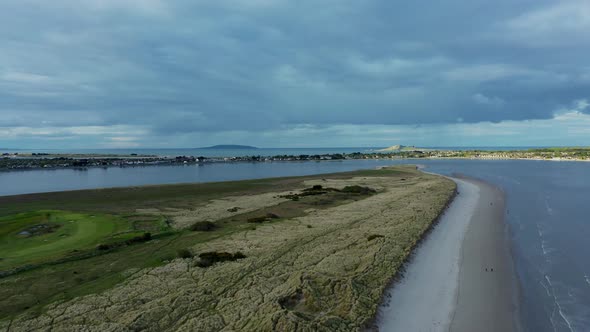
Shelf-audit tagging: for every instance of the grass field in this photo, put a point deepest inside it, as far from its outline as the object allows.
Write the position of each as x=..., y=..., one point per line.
x=42, y=236
x=336, y=234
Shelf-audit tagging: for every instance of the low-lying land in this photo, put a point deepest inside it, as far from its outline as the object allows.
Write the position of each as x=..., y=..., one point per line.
x=301, y=253
x=23, y=162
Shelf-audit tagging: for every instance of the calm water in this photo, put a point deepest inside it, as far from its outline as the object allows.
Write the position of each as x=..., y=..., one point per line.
x=547, y=213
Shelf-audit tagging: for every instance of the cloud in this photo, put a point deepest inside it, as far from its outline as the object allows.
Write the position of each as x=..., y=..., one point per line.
x=487, y=72
x=180, y=69
x=562, y=23
x=485, y=100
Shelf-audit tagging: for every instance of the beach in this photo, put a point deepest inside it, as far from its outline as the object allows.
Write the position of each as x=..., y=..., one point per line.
x=461, y=278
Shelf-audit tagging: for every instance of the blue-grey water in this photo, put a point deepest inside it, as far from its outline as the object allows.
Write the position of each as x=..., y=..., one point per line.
x=547, y=214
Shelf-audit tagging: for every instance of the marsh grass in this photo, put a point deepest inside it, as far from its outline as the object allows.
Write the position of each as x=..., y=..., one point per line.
x=28, y=291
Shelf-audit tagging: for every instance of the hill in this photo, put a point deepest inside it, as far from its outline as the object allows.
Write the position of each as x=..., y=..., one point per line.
x=399, y=148
x=231, y=147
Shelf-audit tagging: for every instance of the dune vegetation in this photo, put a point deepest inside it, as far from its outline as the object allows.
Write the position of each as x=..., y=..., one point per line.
x=300, y=253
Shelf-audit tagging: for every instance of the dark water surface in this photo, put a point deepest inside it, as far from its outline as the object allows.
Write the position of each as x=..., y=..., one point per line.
x=548, y=214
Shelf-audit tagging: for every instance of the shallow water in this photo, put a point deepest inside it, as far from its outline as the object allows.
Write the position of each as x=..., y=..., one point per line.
x=547, y=212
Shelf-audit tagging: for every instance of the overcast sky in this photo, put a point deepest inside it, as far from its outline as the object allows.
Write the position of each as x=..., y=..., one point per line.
x=278, y=73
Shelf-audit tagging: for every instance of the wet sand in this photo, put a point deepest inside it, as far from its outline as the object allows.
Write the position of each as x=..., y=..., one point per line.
x=486, y=294
x=446, y=286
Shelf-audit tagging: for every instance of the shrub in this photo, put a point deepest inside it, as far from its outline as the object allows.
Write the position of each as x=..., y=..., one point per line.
x=358, y=190
x=257, y=220
x=374, y=236
x=184, y=253
x=203, y=226
x=262, y=219
x=104, y=246
x=207, y=259
x=138, y=239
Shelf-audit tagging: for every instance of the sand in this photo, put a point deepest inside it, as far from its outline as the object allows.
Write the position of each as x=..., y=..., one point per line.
x=446, y=286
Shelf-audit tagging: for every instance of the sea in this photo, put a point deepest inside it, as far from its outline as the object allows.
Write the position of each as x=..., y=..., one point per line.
x=547, y=213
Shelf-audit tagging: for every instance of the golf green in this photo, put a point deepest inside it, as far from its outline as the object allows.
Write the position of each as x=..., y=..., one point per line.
x=40, y=236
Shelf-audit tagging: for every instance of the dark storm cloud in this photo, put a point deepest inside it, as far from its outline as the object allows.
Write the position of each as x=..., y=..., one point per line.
x=194, y=66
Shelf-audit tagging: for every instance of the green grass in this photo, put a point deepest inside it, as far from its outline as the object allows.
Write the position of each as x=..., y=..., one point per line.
x=31, y=290
x=74, y=231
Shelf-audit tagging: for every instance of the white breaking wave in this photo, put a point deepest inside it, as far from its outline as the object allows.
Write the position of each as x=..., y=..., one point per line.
x=546, y=250
x=547, y=207
x=557, y=306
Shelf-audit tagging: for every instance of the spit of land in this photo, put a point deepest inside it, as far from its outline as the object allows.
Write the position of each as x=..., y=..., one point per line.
x=301, y=253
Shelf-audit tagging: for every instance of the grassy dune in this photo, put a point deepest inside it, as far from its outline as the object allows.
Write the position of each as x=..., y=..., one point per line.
x=296, y=259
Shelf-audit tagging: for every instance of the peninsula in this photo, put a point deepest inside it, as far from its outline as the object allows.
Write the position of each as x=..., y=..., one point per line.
x=289, y=254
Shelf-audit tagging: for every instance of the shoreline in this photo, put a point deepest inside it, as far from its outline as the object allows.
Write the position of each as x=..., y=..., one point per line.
x=487, y=300
x=149, y=161
x=445, y=286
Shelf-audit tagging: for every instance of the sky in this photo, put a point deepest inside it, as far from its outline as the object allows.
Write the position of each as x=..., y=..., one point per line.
x=278, y=73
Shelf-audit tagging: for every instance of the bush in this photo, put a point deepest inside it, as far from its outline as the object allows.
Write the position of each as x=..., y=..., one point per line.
x=184, y=253
x=203, y=226
x=138, y=239
x=257, y=220
x=207, y=259
x=104, y=246
x=261, y=219
x=358, y=190
x=374, y=236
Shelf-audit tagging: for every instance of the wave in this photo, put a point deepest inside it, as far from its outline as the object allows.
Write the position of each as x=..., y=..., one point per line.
x=557, y=307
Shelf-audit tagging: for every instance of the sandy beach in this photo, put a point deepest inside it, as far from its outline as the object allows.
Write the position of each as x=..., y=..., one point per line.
x=461, y=278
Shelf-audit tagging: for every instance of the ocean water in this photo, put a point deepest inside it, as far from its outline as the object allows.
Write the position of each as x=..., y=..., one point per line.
x=547, y=216
x=549, y=227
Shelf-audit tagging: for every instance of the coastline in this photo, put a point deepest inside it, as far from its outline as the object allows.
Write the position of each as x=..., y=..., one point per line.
x=148, y=161
x=446, y=286
x=486, y=299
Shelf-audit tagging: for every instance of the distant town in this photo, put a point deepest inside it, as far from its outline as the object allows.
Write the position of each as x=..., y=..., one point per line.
x=16, y=161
